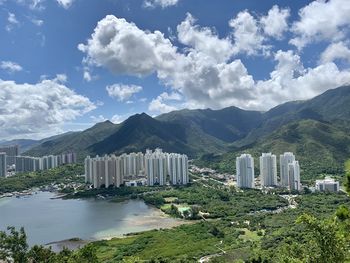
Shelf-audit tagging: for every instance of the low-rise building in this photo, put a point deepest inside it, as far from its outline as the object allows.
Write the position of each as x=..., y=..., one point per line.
x=327, y=185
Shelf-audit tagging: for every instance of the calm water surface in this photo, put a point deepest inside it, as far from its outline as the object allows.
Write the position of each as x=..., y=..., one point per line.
x=47, y=220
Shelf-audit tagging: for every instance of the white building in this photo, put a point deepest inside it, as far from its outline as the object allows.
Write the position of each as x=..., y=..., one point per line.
x=157, y=167
x=268, y=169
x=294, y=176
x=289, y=171
x=245, y=171
x=327, y=185
x=3, y=165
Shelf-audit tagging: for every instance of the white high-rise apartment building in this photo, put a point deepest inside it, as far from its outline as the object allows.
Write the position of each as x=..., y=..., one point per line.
x=294, y=176
x=3, y=166
x=285, y=160
x=157, y=166
x=268, y=169
x=290, y=171
x=245, y=171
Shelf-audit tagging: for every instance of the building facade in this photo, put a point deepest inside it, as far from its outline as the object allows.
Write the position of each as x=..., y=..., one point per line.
x=11, y=151
x=268, y=169
x=3, y=165
x=285, y=159
x=294, y=176
x=32, y=164
x=327, y=185
x=245, y=171
x=158, y=167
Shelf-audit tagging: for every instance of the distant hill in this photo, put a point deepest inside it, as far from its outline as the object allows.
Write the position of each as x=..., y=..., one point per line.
x=189, y=131
x=26, y=144
x=314, y=129
x=74, y=141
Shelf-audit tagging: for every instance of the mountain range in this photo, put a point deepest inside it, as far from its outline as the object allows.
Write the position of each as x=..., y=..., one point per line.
x=315, y=128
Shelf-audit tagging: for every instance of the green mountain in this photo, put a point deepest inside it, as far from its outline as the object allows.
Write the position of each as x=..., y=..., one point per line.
x=193, y=132
x=332, y=105
x=140, y=132
x=316, y=130
x=74, y=141
x=321, y=147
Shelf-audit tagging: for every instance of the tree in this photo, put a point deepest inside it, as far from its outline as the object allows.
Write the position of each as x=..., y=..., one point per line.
x=13, y=245
x=40, y=254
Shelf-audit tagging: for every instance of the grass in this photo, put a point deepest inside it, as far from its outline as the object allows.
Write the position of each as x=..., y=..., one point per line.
x=193, y=241
x=347, y=166
x=249, y=235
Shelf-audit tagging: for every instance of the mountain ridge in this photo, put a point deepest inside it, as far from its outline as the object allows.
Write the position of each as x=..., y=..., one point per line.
x=202, y=131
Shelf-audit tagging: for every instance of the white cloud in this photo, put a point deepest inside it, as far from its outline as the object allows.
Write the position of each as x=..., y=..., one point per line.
x=335, y=51
x=247, y=34
x=122, y=92
x=39, y=109
x=123, y=48
x=87, y=76
x=37, y=5
x=160, y=105
x=161, y=3
x=99, y=118
x=204, y=40
x=321, y=20
x=275, y=23
x=116, y=119
x=10, y=66
x=291, y=81
x=37, y=22
x=12, y=21
x=201, y=75
x=65, y=3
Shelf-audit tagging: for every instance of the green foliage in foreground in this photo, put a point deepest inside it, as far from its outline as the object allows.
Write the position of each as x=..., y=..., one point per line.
x=14, y=248
x=24, y=181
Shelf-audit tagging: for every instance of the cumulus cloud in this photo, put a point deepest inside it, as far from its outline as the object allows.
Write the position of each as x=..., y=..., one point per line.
x=335, y=51
x=10, y=66
x=125, y=49
x=276, y=22
x=204, y=40
x=247, y=34
x=122, y=92
x=39, y=109
x=65, y=3
x=205, y=76
x=291, y=81
x=160, y=3
x=159, y=104
x=321, y=20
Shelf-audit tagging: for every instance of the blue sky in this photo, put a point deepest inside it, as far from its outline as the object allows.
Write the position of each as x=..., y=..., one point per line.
x=67, y=64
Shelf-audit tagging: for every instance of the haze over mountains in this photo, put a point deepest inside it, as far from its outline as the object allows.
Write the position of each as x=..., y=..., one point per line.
x=318, y=127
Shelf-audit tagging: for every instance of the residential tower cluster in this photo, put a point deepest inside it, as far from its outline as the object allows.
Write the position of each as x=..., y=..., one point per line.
x=11, y=160
x=289, y=171
x=152, y=168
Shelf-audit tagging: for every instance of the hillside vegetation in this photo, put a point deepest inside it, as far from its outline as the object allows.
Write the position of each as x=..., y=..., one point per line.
x=316, y=130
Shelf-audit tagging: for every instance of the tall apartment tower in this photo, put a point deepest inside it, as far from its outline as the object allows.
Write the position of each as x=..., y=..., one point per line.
x=11, y=151
x=3, y=165
x=285, y=159
x=245, y=171
x=268, y=169
x=294, y=176
x=156, y=167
